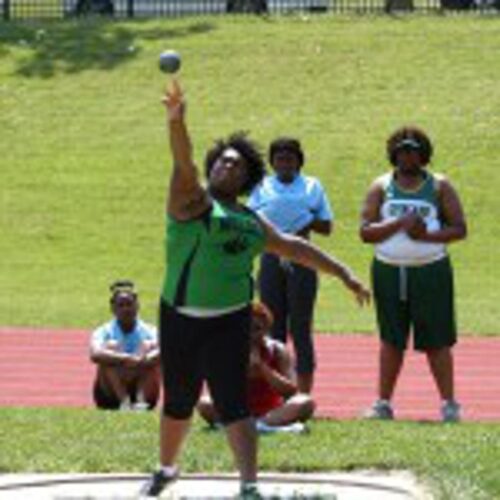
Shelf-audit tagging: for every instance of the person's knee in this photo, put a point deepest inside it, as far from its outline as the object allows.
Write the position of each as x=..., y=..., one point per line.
x=437, y=352
x=178, y=410
x=306, y=406
x=229, y=414
x=393, y=349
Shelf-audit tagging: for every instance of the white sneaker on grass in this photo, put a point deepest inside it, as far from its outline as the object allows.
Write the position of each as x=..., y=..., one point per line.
x=295, y=428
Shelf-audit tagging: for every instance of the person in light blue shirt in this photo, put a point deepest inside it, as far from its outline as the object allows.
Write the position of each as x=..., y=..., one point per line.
x=126, y=353
x=295, y=204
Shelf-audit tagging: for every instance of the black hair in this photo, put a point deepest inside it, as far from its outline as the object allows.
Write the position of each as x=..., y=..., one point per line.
x=403, y=137
x=289, y=144
x=248, y=149
x=122, y=286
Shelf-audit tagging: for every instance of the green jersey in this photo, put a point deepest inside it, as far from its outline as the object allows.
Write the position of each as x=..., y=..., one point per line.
x=210, y=258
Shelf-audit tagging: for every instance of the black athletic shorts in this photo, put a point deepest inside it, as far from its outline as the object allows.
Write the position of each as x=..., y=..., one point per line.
x=195, y=350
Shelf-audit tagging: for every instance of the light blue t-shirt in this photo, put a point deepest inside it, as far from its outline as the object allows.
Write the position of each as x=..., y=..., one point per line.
x=128, y=342
x=291, y=207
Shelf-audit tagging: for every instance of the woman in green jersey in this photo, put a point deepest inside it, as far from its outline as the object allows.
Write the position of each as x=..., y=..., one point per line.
x=410, y=215
x=212, y=240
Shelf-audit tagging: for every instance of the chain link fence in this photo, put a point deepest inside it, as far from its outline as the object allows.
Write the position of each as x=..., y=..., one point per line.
x=60, y=9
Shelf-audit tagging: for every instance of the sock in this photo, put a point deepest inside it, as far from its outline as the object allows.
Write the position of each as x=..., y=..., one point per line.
x=125, y=402
x=169, y=470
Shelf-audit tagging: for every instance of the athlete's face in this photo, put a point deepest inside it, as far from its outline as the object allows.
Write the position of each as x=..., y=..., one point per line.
x=409, y=161
x=229, y=173
x=286, y=164
x=125, y=307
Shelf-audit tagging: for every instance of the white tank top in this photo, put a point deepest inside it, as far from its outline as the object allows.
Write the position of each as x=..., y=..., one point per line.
x=400, y=249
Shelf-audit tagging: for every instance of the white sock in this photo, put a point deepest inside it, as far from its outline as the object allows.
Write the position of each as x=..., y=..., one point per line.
x=125, y=402
x=169, y=470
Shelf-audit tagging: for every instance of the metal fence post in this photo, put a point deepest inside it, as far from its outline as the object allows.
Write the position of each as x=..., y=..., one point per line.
x=130, y=8
x=6, y=10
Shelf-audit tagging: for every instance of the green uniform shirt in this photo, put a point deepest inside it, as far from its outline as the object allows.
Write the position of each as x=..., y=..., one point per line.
x=210, y=259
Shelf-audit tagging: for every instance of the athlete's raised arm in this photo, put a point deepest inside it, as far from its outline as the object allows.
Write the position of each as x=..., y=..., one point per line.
x=187, y=198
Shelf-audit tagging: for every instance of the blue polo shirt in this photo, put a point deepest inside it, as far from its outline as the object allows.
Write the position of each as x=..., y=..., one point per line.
x=291, y=207
x=129, y=342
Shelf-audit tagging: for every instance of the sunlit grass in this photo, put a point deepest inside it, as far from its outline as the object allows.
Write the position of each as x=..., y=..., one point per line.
x=85, y=160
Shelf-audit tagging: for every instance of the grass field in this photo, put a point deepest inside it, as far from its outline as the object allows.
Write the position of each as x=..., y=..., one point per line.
x=456, y=462
x=85, y=160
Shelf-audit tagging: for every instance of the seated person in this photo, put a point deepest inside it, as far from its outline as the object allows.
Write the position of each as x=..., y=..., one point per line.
x=272, y=391
x=127, y=355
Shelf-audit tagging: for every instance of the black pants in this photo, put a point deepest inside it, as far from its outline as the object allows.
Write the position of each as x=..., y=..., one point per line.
x=289, y=290
x=215, y=350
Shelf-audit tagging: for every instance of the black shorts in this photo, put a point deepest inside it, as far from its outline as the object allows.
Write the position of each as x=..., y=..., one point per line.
x=215, y=350
x=107, y=401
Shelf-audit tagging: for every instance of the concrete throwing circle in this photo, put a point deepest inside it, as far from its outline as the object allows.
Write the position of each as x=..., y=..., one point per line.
x=362, y=485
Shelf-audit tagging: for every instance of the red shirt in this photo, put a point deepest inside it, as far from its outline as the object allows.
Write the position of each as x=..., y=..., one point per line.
x=262, y=397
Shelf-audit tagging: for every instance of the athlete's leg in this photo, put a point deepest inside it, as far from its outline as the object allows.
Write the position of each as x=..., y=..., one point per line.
x=182, y=370
x=441, y=365
x=272, y=292
x=227, y=380
x=111, y=381
x=302, y=288
x=148, y=385
x=390, y=363
x=393, y=319
x=298, y=408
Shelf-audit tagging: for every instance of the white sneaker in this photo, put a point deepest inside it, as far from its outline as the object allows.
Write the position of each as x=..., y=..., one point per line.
x=380, y=410
x=295, y=428
x=140, y=406
x=126, y=404
x=450, y=411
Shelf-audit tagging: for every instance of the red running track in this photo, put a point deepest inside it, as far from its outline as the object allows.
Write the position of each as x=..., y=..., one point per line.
x=47, y=367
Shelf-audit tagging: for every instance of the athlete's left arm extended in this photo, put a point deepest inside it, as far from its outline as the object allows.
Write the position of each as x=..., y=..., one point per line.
x=304, y=252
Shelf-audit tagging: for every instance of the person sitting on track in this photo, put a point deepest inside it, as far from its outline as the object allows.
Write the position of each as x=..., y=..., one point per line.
x=126, y=353
x=273, y=398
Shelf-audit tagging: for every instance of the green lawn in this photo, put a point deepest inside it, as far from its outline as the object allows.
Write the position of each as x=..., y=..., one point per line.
x=85, y=160
x=458, y=462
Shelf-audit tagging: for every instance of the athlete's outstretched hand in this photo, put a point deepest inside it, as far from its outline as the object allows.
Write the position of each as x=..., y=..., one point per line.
x=174, y=102
x=361, y=293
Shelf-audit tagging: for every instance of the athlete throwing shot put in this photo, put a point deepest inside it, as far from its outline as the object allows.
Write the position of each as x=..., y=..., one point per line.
x=205, y=307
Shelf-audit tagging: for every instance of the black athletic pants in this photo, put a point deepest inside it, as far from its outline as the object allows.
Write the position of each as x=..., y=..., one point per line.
x=289, y=290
